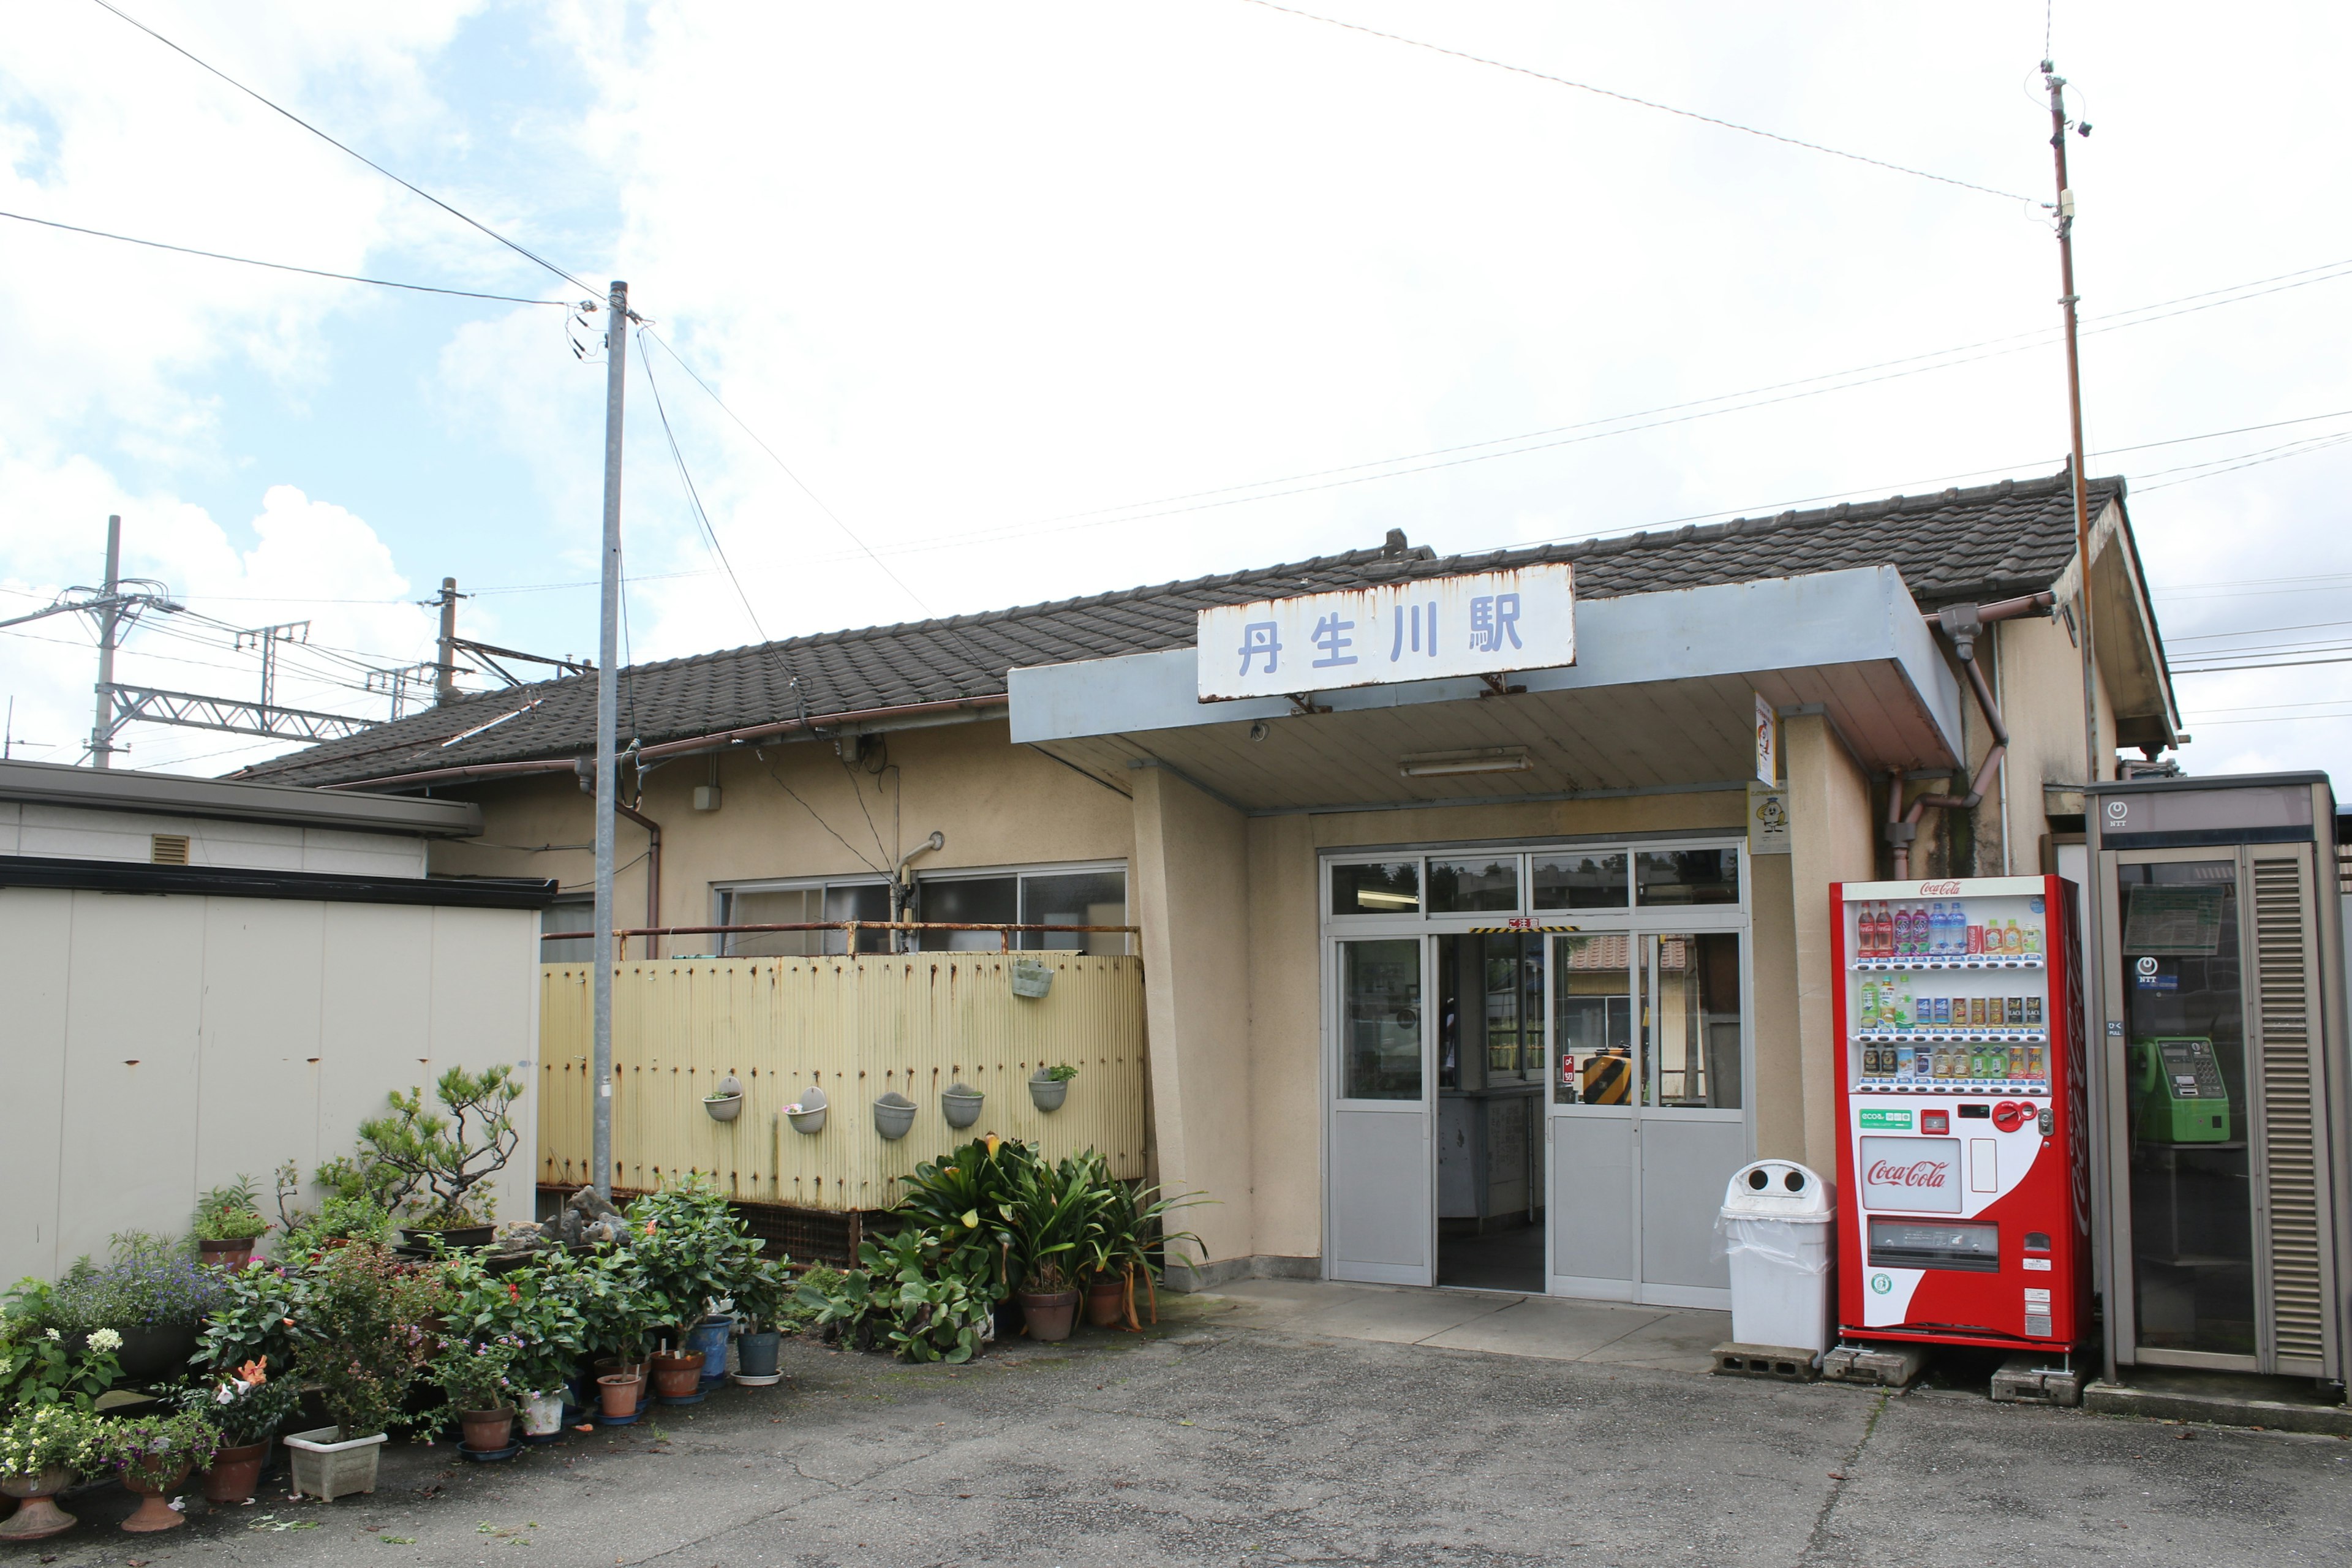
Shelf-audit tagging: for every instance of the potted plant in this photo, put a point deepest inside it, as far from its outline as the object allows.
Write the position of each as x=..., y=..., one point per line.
x=152, y=1292
x=760, y=1294
x=1129, y=1230
x=43, y=1450
x=438, y=1163
x=245, y=1409
x=360, y=1337
x=155, y=1454
x=228, y=1222
x=690, y=1249
x=40, y=1366
x=961, y=1104
x=894, y=1115
x=617, y=1312
x=1052, y=1211
x=725, y=1103
x=476, y=1378
x=807, y=1113
x=1048, y=1087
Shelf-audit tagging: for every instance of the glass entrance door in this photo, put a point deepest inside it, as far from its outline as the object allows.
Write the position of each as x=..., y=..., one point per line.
x=1378, y=1186
x=1490, y=1080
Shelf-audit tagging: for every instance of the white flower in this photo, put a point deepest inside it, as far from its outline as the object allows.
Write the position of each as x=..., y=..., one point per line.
x=225, y=1395
x=55, y=1335
x=105, y=1339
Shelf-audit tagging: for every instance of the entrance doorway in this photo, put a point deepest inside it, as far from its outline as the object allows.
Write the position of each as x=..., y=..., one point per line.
x=1550, y=1102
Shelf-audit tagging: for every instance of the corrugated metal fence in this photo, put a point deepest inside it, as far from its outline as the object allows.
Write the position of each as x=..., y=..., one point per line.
x=857, y=1027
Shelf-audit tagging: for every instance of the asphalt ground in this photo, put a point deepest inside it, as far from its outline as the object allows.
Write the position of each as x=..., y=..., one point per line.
x=1228, y=1437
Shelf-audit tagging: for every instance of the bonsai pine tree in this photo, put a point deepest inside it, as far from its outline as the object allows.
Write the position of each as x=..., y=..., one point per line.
x=440, y=1159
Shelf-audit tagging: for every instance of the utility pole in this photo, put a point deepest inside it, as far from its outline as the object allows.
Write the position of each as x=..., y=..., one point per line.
x=608, y=718
x=2102, y=1061
x=102, y=730
x=445, y=685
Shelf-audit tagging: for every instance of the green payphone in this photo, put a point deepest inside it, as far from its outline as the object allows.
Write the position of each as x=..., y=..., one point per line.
x=2177, y=1092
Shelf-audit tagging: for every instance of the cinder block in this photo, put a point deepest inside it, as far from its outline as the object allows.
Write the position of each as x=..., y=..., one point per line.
x=1781, y=1364
x=2026, y=1380
x=1875, y=1366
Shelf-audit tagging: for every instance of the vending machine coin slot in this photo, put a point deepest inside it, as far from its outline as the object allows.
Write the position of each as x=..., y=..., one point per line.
x=1975, y=1112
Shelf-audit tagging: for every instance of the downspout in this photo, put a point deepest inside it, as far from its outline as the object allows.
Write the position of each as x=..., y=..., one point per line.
x=1960, y=625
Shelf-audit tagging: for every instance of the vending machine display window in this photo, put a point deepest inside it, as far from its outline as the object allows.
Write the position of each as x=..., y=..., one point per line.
x=2192, y=1228
x=1914, y=1244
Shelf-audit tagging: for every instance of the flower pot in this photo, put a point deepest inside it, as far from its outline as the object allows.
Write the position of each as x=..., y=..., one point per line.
x=711, y=1336
x=894, y=1115
x=155, y=1511
x=616, y=1397
x=456, y=1237
x=1049, y=1314
x=726, y=1102
x=235, y=1473
x=810, y=1118
x=326, y=1468
x=678, y=1379
x=961, y=1104
x=1107, y=1303
x=39, y=1517
x=1030, y=978
x=150, y=1353
x=542, y=1416
x=755, y=1358
x=1048, y=1093
x=232, y=1254
x=487, y=1431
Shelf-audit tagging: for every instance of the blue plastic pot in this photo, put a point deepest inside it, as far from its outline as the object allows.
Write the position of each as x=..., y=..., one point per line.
x=711, y=1338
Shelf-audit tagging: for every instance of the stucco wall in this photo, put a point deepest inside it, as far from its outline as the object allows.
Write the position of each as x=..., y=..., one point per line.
x=160, y=1046
x=1832, y=839
x=1778, y=1088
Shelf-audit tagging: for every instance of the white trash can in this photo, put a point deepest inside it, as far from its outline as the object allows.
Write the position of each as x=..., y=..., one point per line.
x=1779, y=1226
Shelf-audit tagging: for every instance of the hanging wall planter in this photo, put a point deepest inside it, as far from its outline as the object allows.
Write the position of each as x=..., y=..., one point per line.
x=807, y=1113
x=894, y=1115
x=1030, y=978
x=726, y=1102
x=1046, y=1090
x=960, y=1103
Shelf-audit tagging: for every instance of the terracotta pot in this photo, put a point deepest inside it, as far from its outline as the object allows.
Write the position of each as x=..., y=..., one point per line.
x=233, y=1254
x=1049, y=1314
x=38, y=1518
x=155, y=1510
x=487, y=1431
x=1107, y=1303
x=677, y=1376
x=235, y=1473
x=616, y=1392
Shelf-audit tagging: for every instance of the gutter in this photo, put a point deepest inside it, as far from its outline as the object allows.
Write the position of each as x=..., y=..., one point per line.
x=1960, y=625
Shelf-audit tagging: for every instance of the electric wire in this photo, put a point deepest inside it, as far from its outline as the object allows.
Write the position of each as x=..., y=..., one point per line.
x=518, y=249
x=281, y=266
x=1641, y=102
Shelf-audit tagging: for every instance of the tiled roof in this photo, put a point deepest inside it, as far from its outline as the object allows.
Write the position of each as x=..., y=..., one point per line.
x=1992, y=541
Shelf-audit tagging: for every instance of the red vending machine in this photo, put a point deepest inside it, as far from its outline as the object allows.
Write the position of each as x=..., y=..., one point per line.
x=1963, y=1171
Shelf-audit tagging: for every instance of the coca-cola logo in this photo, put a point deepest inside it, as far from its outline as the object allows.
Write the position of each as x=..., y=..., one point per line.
x=1918, y=1174
x=1932, y=890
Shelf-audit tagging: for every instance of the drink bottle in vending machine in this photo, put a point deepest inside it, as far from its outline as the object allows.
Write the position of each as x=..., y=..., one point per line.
x=1963, y=1159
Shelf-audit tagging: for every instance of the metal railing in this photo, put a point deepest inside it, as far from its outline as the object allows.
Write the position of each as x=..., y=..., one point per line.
x=1004, y=929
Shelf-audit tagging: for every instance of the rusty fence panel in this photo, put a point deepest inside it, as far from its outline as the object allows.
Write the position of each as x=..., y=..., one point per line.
x=857, y=1027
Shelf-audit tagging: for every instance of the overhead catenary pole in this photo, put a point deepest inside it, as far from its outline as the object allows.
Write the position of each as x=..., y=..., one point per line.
x=102, y=730
x=608, y=718
x=2093, y=1044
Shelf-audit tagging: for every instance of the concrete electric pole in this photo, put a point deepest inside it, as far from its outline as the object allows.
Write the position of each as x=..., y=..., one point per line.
x=445, y=682
x=102, y=730
x=608, y=718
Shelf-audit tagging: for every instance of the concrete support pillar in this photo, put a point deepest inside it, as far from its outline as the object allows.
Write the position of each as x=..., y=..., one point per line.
x=1191, y=899
x=1829, y=833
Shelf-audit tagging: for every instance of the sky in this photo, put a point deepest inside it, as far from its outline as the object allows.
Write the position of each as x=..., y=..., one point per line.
x=954, y=307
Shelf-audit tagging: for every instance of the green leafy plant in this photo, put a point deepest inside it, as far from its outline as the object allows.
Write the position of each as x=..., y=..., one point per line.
x=617, y=1312
x=1130, y=1238
x=249, y=1321
x=1052, y=1211
x=690, y=1247
x=150, y=1282
x=912, y=1293
x=764, y=1291
x=1062, y=1072
x=477, y=1374
x=361, y=1335
x=532, y=1308
x=157, y=1449
x=438, y=1162
x=245, y=1406
x=231, y=1212
x=40, y=1367
x=52, y=1438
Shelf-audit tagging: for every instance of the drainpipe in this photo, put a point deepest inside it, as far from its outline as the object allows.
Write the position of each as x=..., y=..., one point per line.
x=937, y=841
x=1960, y=625
x=585, y=770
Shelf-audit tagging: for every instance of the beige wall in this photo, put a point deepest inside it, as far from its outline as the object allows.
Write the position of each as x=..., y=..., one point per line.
x=161, y=1045
x=1777, y=1094
x=1832, y=839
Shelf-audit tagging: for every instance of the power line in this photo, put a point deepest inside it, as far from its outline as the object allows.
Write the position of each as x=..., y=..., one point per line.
x=2277, y=456
x=414, y=189
x=2258, y=631
x=1641, y=102
x=281, y=266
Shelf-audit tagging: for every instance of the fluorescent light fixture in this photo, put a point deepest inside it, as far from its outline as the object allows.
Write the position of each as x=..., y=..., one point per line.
x=1389, y=900
x=1486, y=760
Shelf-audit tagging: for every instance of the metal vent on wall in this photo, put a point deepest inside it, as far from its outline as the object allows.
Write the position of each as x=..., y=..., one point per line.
x=2284, y=974
x=168, y=848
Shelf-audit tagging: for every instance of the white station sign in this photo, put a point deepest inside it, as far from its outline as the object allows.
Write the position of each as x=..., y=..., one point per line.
x=1486, y=623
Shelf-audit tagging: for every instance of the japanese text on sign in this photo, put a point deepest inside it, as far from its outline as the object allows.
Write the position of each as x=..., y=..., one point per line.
x=1487, y=623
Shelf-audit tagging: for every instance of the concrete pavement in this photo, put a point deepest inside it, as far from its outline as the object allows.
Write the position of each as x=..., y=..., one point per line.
x=1282, y=1422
